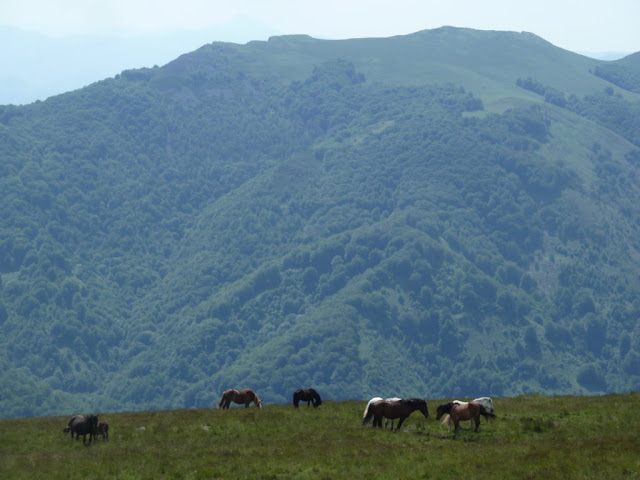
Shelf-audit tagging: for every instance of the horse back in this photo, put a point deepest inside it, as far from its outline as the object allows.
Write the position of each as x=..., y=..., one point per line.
x=246, y=394
x=389, y=409
x=463, y=412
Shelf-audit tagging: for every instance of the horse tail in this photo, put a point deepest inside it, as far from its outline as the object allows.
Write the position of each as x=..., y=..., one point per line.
x=222, y=400
x=446, y=420
x=368, y=413
x=485, y=413
x=295, y=399
x=318, y=400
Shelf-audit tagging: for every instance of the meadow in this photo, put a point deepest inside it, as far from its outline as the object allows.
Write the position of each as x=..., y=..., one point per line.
x=532, y=437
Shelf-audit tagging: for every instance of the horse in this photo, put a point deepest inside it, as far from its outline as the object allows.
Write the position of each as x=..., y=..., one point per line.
x=309, y=395
x=378, y=399
x=103, y=429
x=486, y=402
x=461, y=412
x=82, y=425
x=239, y=396
x=394, y=409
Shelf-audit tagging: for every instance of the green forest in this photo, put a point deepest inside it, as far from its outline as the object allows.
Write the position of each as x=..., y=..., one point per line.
x=431, y=215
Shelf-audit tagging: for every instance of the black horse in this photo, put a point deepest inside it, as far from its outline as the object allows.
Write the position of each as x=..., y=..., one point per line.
x=83, y=425
x=309, y=395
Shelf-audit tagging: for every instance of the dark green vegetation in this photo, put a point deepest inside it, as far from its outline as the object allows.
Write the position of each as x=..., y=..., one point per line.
x=532, y=437
x=367, y=217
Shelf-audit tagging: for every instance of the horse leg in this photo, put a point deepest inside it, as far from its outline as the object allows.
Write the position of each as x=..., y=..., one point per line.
x=477, y=420
x=377, y=421
x=456, y=424
x=399, y=423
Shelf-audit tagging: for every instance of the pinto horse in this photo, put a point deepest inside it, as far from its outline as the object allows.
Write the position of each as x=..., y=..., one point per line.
x=239, y=396
x=309, y=395
x=393, y=409
x=461, y=412
x=486, y=402
x=378, y=399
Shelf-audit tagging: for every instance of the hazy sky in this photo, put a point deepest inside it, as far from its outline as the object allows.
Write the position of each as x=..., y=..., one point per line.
x=578, y=25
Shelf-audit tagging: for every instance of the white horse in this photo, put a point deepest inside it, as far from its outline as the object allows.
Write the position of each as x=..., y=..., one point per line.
x=377, y=399
x=486, y=402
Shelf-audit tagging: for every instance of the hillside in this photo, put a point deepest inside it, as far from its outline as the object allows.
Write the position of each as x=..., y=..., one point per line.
x=531, y=437
x=448, y=213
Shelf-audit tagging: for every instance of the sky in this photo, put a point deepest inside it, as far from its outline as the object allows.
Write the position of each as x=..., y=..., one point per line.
x=577, y=25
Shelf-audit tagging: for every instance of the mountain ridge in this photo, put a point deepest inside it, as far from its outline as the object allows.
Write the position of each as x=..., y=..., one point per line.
x=303, y=212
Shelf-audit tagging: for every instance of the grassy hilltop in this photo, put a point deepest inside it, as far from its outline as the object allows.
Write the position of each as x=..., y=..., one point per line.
x=532, y=437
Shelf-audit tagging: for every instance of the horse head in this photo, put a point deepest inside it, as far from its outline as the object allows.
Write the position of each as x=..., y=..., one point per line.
x=423, y=408
x=443, y=409
x=92, y=420
x=417, y=404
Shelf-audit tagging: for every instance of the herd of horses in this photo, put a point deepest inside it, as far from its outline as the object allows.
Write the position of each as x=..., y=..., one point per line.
x=377, y=408
x=453, y=412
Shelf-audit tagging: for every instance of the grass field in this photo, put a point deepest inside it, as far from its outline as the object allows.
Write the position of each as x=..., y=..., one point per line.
x=532, y=437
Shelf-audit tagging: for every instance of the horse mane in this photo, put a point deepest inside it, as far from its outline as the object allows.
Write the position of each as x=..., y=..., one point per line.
x=485, y=413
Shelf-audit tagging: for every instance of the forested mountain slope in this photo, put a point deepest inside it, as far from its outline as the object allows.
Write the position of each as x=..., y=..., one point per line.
x=448, y=213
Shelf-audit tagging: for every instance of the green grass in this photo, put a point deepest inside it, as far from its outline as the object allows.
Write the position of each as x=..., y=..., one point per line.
x=532, y=437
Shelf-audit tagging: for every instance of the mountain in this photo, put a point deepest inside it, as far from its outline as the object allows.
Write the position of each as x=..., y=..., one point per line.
x=39, y=66
x=444, y=214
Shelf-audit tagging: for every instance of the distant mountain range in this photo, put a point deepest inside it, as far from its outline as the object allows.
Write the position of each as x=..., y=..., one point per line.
x=451, y=213
x=36, y=66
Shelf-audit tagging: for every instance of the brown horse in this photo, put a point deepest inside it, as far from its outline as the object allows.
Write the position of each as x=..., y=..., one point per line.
x=393, y=409
x=309, y=395
x=239, y=396
x=461, y=412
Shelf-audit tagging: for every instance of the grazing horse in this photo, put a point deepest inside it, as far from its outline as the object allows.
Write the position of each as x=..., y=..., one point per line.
x=378, y=399
x=461, y=412
x=486, y=402
x=309, y=395
x=82, y=425
x=103, y=429
x=239, y=396
x=394, y=409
